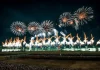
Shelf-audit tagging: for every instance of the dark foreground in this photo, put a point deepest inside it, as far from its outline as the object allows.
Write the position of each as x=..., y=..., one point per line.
x=49, y=65
x=50, y=61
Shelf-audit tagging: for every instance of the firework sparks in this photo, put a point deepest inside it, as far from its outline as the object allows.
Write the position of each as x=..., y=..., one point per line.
x=83, y=15
x=62, y=33
x=18, y=28
x=55, y=32
x=65, y=19
x=34, y=28
x=41, y=34
x=47, y=27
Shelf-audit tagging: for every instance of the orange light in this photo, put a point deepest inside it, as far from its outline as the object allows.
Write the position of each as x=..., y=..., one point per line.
x=16, y=41
x=82, y=15
x=32, y=28
x=71, y=22
x=64, y=19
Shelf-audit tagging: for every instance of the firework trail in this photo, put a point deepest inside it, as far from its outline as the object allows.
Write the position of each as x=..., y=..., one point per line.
x=44, y=35
x=83, y=15
x=47, y=27
x=34, y=28
x=76, y=24
x=41, y=35
x=49, y=33
x=55, y=32
x=18, y=28
x=65, y=31
x=32, y=38
x=62, y=33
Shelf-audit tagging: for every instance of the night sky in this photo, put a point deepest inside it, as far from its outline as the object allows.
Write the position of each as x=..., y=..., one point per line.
x=28, y=11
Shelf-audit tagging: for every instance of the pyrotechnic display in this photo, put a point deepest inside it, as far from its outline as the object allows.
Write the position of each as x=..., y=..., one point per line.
x=41, y=44
x=34, y=28
x=18, y=28
x=65, y=19
x=47, y=27
x=45, y=36
x=81, y=16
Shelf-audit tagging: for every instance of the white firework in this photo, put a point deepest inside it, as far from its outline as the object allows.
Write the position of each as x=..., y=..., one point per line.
x=42, y=35
x=55, y=32
x=34, y=28
x=47, y=27
x=49, y=33
x=65, y=18
x=76, y=26
x=18, y=28
x=62, y=33
x=83, y=15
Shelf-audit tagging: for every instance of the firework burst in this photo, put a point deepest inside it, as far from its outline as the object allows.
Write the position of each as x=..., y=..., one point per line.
x=47, y=27
x=18, y=28
x=83, y=15
x=65, y=19
x=34, y=28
